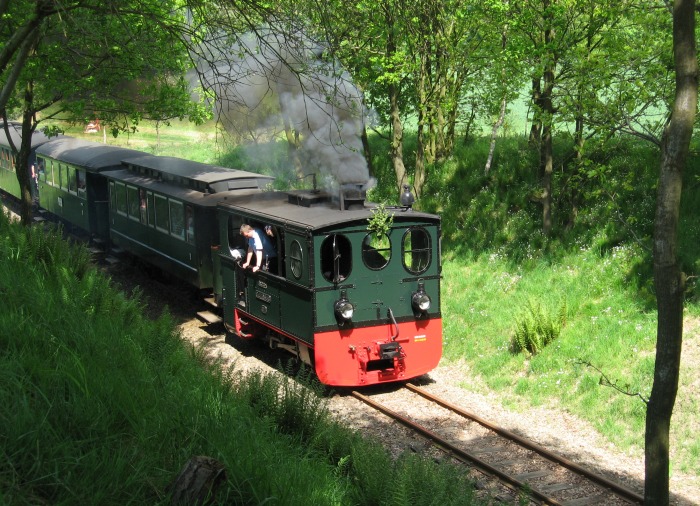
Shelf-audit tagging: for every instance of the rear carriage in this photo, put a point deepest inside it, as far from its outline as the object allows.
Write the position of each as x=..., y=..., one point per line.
x=8, y=157
x=72, y=185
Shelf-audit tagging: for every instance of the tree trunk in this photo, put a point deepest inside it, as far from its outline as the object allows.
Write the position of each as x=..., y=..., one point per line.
x=22, y=165
x=547, y=172
x=396, y=138
x=396, y=150
x=502, y=113
x=367, y=151
x=494, y=133
x=669, y=281
x=546, y=151
x=197, y=483
x=419, y=175
x=536, y=128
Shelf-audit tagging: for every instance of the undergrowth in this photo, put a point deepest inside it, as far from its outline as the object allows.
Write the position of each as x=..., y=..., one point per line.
x=101, y=405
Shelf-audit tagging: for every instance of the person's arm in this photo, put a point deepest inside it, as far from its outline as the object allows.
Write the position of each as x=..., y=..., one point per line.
x=258, y=260
x=248, y=257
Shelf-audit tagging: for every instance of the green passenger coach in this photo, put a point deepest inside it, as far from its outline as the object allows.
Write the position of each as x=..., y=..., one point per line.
x=71, y=182
x=163, y=209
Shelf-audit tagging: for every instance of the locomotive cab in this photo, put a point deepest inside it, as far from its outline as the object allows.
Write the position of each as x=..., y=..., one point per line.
x=358, y=307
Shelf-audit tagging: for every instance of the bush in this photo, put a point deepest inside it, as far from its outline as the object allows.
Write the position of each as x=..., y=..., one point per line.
x=535, y=328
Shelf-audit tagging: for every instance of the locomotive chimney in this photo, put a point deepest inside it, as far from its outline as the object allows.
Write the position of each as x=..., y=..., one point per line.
x=351, y=196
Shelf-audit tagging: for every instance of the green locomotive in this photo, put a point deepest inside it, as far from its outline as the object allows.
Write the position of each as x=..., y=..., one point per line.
x=361, y=305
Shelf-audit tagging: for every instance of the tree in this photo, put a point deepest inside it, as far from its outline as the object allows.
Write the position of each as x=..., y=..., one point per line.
x=72, y=61
x=669, y=280
x=412, y=60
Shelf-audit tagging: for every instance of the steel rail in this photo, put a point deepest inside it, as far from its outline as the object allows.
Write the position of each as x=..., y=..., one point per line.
x=460, y=454
x=618, y=489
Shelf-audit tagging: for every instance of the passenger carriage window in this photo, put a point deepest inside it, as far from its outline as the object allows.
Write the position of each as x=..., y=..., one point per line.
x=416, y=250
x=112, y=196
x=72, y=180
x=162, y=220
x=376, y=251
x=132, y=198
x=65, y=177
x=177, y=219
x=80, y=181
x=151, y=210
x=143, y=208
x=189, y=224
x=120, y=198
x=49, y=173
x=296, y=258
x=336, y=258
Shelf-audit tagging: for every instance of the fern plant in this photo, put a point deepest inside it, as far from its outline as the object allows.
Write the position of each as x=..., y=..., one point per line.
x=535, y=328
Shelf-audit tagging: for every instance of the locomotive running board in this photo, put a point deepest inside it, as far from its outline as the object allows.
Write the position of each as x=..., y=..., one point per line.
x=209, y=317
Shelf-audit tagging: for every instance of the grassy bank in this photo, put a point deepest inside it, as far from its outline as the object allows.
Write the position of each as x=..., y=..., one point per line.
x=103, y=406
x=595, y=269
x=591, y=279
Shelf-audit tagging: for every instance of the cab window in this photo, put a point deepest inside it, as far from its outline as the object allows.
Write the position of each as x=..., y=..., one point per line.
x=336, y=258
x=376, y=251
x=416, y=250
x=296, y=259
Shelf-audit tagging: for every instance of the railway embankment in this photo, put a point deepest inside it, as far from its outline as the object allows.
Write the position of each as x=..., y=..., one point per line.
x=104, y=404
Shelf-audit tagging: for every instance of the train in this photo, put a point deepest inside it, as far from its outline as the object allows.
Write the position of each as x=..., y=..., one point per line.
x=357, y=305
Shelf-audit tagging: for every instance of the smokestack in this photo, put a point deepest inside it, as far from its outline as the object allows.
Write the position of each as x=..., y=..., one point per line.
x=352, y=196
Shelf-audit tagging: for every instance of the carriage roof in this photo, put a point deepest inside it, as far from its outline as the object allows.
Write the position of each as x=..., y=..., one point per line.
x=184, y=193
x=187, y=169
x=87, y=154
x=15, y=129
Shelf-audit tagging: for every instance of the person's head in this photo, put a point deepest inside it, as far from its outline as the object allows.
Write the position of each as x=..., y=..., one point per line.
x=246, y=230
x=268, y=230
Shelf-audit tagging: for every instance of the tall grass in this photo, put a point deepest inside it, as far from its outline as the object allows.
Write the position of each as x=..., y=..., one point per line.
x=101, y=405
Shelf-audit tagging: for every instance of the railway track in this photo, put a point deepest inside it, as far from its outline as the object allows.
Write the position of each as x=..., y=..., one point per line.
x=510, y=466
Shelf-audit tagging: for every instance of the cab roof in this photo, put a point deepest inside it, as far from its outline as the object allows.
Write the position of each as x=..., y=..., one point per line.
x=274, y=207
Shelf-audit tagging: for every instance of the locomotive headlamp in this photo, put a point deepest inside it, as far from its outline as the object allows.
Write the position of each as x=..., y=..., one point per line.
x=420, y=300
x=344, y=310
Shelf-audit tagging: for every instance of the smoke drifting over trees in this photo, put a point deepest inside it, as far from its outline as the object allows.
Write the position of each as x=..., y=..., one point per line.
x=284, y=80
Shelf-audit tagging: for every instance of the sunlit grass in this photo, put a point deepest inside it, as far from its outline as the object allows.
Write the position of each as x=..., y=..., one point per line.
x=609, y=336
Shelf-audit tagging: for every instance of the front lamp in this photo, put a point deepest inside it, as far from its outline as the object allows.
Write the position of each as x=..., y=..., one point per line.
x=344, y=310
x=420, y=301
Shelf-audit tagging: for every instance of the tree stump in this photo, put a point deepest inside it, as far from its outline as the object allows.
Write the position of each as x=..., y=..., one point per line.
x=197, y=483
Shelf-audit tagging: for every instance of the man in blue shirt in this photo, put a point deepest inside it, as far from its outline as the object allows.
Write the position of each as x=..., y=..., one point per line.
x=260, y=245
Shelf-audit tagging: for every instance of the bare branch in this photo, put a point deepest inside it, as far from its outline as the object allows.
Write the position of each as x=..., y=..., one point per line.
x=606, y=382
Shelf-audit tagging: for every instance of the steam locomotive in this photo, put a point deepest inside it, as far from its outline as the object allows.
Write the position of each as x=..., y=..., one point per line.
x=359, y=306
